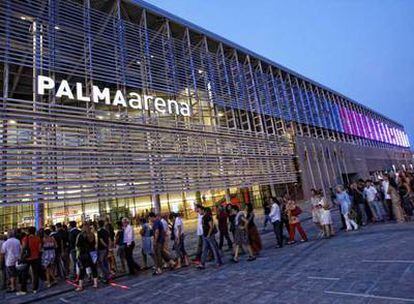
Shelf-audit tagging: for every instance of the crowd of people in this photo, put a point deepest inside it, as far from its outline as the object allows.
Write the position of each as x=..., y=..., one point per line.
x=96, y=251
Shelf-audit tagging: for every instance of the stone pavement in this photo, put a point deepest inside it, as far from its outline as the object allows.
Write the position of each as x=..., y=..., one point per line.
x=372, y=265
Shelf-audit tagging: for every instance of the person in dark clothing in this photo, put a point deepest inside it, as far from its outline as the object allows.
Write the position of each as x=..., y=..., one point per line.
x=358, y=203
x=119, y=241
x=57, y=234
x=103, y=250
x=209, y=239
x=85, y=244
x=73, y=234
x=223, y=226
x=266, y=210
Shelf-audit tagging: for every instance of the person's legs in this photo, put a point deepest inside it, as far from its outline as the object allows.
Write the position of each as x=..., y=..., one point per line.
x=301, y=232
x=206, y=248
x=363, y=214
x=373, y=211
x=214, y=249
x=221, y=240
x=277, y=228
x=292, y=232
x=35, y=266
x=199, y=248
x=378, y=210
x=229, y=241
x=347, y=222
x=128, y=256
x=103, y=262
x=158, y=256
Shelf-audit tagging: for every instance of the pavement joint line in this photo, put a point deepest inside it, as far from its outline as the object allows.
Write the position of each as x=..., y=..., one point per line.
x=389, y=261
x=64, y=300
x=363, y=295
x=324, y=278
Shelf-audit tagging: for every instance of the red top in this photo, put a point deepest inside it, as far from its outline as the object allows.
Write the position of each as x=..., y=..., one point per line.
x=34, y=244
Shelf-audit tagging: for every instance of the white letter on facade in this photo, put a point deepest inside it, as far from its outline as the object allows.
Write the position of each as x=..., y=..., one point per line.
x=135, y=101
x=119, y=99
x=176, y=109
x=185, y=109
x=64, y=90
x=44, y=82
x=160, y=105
x=79, y=95
x=147, y=98
x=97, y=95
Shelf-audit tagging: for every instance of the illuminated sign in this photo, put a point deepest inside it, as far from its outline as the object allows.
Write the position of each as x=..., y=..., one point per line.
x=132, y=99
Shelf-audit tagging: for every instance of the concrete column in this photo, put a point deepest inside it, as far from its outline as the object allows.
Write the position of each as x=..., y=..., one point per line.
x=156, y=203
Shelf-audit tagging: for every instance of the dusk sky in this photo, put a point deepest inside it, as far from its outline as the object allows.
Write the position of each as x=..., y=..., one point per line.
x=362, y=49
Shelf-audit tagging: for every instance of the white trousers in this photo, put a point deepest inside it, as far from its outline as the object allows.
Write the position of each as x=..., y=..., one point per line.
x=350, y=223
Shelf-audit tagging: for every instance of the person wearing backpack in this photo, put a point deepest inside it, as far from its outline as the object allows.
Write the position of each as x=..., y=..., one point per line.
x=209, y=239
x=293, y=212
x=31, y=248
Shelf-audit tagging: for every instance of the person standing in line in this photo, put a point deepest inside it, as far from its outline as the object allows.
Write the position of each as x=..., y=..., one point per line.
x=10, y=253
x=266, y=211
x=359, y=202
x=316, y=211
x=3, y=274
x=177, y=235
x=158, y=243
x=240, y=236
x=284, y=214
x=48, y=256
x=104, y=244
x=276, y=220
x=209, y=239
x=31, y=247
x=111, y=250
x=85, y=246
x=119, y=242
x=200, y=210
x=222, y=218
x=387, y=197
x=293, y=212
x=253, y=234
x=325, y=215
x=167, y=238
x=343, y=200
x=370, y=194
x=147, y=246
x=129, y=243
x=392, y=191
x=73, y=234
x=406, y=193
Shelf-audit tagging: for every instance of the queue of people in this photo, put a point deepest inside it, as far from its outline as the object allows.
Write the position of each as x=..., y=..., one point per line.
x=93, y=251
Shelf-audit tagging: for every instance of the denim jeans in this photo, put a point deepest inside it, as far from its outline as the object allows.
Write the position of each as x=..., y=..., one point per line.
x=103, y=262
x=376, y=210
x=209, y=243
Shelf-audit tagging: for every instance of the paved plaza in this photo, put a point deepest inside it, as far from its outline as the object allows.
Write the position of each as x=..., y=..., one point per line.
x=372, y=265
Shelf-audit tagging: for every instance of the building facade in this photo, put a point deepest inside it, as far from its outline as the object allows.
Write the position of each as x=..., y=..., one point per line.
x=110, y=108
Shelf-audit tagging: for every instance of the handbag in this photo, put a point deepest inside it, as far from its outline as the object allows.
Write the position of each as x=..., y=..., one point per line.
x=94, y=256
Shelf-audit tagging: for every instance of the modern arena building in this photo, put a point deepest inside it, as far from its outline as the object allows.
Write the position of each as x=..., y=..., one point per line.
x=110, y=107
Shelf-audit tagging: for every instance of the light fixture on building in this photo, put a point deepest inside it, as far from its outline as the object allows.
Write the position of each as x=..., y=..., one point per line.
x=138, y=62
x=57, y=27
x=99, y=117
x=23, y=17
x=12, y=122
x=200, y=71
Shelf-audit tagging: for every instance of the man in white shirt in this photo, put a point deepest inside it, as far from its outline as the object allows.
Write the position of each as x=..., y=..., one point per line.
x=129, y=242
x=371, y=195
x=275, y=219
x=387, y=196
x=10, y=252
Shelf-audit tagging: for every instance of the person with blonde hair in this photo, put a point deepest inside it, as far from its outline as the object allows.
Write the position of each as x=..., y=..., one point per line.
x=344, y=201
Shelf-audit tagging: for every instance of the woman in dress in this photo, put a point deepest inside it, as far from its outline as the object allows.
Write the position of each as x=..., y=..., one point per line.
x=240, y=234
x=325, y=215
x=147, y=248
x=395, y=201
x=316, y=211
x=85, y=247
x=48, y=257
x=252, y=232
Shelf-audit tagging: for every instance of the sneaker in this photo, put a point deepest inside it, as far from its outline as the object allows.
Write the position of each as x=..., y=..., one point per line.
x=251, y=258
x=34, y=291
x=234, y=260
x=21, y=293
x=201, y=267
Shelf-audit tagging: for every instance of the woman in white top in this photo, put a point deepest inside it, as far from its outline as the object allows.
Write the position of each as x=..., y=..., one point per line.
x=177, y=235
x=325, y=215
x=316, y=211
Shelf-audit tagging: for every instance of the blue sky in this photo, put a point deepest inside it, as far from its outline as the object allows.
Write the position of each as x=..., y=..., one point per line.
x=363, y=49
